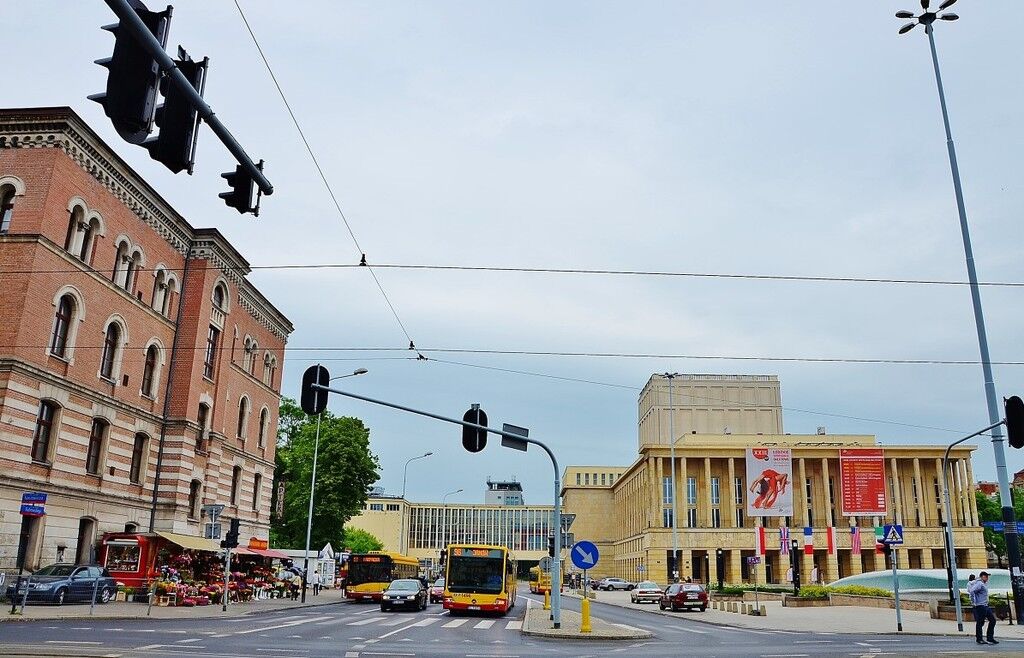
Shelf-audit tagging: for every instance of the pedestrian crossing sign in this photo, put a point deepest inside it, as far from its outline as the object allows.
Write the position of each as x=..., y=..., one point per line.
x=893, y=535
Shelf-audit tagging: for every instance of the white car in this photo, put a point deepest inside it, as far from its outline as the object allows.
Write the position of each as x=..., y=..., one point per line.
x=608, y=584
x=646, y=591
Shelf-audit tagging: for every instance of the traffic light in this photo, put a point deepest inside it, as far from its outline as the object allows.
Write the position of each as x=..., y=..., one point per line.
x=177, y=118
x=314, y=400
x=473, y=439
x=551, y=546
x=1014, y=408
x=242, y=186
x=133, y=76
x=231, y=539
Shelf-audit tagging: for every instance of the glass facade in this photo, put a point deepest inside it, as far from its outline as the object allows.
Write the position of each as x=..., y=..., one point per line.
x=519, y=528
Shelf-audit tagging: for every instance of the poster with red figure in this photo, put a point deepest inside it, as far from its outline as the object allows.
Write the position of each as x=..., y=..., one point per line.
x=862, y=478
x=769, y=482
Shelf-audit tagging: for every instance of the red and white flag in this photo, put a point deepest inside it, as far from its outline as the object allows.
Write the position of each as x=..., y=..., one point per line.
x=760, y=543
x=830, y=534
x=808, y=541
x=855, y=539
x=784, y=539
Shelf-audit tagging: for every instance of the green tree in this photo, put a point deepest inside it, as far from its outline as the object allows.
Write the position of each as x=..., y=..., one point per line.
x=345, y=470
x=358, y=540
x=990, y=509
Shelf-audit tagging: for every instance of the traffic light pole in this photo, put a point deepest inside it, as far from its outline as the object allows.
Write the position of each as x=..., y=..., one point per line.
x=145, y=38
x=556, y=571
x=227, y=576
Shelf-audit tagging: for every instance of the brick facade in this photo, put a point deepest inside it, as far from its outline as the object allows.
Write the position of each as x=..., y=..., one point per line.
x=83, y=235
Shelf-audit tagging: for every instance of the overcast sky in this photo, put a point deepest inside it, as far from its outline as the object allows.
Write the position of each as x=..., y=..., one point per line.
x=789, y=138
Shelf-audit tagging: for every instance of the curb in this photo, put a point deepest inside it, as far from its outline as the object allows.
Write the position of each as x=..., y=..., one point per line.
x=563, y=634
x=9, y=618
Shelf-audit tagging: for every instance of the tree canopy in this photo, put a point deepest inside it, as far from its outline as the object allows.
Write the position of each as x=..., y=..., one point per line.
x=345, y=470
x=358, y=540
x=990, y=509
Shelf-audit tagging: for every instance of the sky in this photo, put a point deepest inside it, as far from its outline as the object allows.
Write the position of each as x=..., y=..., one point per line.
x=790, y=138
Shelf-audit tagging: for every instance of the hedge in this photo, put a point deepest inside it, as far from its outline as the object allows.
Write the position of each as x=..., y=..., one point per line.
x=822, y=591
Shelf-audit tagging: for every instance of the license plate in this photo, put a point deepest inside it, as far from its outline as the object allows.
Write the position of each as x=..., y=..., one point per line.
x=691, y=596
x=474, y=607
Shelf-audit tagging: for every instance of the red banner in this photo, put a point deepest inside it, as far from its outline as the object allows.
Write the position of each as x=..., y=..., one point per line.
x=862, y=478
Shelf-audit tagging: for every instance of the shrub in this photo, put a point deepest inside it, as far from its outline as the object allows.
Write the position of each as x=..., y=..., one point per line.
x=813, y=592
x=859, y=590
x=732, y=590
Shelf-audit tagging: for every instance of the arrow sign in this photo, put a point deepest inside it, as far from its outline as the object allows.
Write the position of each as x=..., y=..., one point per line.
x=584, y=555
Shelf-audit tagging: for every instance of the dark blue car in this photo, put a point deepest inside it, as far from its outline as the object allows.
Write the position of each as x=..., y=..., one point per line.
x=64, y=583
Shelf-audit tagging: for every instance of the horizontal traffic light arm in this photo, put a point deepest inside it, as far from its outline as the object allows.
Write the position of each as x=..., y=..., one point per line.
x=131, y=21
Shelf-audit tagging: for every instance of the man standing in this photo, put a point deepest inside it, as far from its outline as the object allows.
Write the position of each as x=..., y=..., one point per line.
x=978, y=591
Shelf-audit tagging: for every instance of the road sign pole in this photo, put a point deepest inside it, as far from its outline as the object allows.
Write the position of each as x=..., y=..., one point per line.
x=757, y=601
x=896, y=588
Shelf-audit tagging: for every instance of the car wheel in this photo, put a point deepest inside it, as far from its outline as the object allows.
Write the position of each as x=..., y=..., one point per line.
x=629, y=587
x=58, y=598
x=661, y=606
x=384, y=608
x=105, y=595
x=703, y=608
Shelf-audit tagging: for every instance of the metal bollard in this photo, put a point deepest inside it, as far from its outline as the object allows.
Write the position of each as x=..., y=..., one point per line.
x=92, y=604
x=547, y=600
x=585, y=616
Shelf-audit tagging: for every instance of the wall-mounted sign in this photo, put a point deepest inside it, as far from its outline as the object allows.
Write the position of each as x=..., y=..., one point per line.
x=862, y=479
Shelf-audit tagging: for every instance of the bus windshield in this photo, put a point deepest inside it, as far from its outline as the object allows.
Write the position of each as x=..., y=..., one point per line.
x=484, y=575
x=365, y=571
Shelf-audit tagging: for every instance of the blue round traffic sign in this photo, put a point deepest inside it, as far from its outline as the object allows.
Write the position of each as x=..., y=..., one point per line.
x=584, y=555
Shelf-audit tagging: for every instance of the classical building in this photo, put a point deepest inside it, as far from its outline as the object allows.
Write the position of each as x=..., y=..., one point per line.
x=716, y=419
x=139, y=368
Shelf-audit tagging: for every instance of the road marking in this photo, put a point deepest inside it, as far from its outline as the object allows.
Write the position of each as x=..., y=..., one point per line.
x=81, y=628
x=283, y=650
x=389, y=653
x=397, y=630
x=70, y=642
x=363, y=622
x=811, y=641
x=784, y=655
x=428, y=622
x=189, y=641
x=455, y=623
x=634, y=628
x=959, y=652
x=395, y=622
x=514, y=626
x=114, y=629
x=148, y=647
x=289, y=624
x=351, y=654
x=487, y=623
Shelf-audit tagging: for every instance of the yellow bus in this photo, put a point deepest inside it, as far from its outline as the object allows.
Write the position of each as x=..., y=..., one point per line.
x=369, y=574
x=540, y=581
x=479, y=577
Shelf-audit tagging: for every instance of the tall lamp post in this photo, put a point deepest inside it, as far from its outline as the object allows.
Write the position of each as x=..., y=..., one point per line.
x=672, y=458
x=928, y=18
x=312, y=487
x=444, y=517
x=403, y=545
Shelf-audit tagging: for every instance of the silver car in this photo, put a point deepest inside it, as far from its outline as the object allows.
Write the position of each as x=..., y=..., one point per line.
x=646, y=592
x=608, y=584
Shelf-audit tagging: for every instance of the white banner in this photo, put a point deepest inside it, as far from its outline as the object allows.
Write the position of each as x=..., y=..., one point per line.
x=769, y=482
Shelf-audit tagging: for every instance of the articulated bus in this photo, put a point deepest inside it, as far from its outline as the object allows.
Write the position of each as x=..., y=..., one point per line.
x=369, y=574
x=479, y=577
x=540, y=581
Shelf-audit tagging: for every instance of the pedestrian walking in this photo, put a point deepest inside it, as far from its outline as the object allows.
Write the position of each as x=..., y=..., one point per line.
x=978, y=591
x=316, y=582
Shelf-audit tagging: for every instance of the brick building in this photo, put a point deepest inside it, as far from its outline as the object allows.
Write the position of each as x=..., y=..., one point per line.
x=139, y=369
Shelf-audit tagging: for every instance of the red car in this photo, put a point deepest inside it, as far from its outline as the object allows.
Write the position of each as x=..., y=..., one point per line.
x=680, y=596
x=437, y=591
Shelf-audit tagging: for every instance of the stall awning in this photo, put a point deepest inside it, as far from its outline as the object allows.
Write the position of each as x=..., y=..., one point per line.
x=190, y=542
x=262, y=552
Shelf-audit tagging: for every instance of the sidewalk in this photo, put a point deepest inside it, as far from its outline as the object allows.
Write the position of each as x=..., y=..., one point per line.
x=832, y=619
x=122, y=610
x=537, y=622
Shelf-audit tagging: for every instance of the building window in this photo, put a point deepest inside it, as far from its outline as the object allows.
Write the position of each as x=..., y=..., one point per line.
x=810, y=506
x=203, y=419
x=264, y=419
x=6, y=207
x=111, y=339
x=219, y=297
x=212, y=338
x=392, y=507
x=62, y=326
x=738, y=494
x=257, y=484
x=603, y=479
x=586, y=479
x=739, y=517
x=577, y=479
x=268, y=373
x=691, y=517
x=716, y=492
x=95, y=450
x=716, y=517
x=691, y=491
x=120, y=264
x=253, y=358
x=243, y=416
x=236, y=480
x=149, y=371
x=163, y=289
x=666, y=490
x=138, y=455
x=666, y=517
x=44, y=431
x=194, y=498
x=376, y=507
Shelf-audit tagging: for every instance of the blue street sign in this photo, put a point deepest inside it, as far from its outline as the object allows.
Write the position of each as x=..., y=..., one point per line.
x=893, y=535
x=33, y=498
x=999, y=526
x=584, y=555
x=754, y=560
x=32, y=510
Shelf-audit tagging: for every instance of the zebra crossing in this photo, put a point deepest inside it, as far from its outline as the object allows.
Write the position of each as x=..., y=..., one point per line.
x=466, y=623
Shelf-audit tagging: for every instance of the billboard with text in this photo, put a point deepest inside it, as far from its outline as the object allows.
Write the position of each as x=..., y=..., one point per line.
x=862, y=479
x=770, y=482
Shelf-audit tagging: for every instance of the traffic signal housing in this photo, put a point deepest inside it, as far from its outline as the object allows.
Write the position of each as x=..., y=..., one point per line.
x=1014, y=408
x=551, y=546
x=231, y=539
x=242, y=187
x=314, y=400
x=133, y=76
x=474, y=439
x=177, y=117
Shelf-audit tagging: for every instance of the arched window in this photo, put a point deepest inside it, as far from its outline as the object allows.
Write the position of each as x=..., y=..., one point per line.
x=253, y=358
x=6, y=207
x=76, y=218
x=236, y=481
x=131, y=269
x=121, y=259
x=172, y=288
x=159, y=291
x=62, y=326
x=97, y=436
x=45, y=435
x=267, y=373
x=111, y=344
x=89, y=231
x=219, y=297
x=194, y=498
x=264, y=420
x=246, y=353
x=149, y=371
x=203, y=418
x=243, y=416
x=138, y=458
x=257, y=484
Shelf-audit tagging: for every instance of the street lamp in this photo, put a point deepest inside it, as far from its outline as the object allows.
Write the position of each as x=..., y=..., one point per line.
x=672, y=458
x=312, y=486
x=794, y=564
x=402, y=543
x=928, y=18
x=444, y=517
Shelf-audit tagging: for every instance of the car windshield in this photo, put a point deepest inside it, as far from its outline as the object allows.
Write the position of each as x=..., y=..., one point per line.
x=439, y=582
x=405, y=585
x=692, y=588
x=56, y=570
x=648, y=585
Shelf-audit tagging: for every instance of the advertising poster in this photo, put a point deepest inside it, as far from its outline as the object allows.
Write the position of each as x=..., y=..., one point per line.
x=770, y=482
x=862, y=479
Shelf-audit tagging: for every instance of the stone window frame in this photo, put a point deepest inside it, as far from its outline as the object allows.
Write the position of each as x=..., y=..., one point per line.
x=81, y=242
x=101, y=450
x=77, y=317
x=157, y=369
x=119, y=350
x=14, y=187
x=52, y=431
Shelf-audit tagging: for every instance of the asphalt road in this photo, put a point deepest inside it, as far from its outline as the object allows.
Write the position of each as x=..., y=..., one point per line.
x=361, y=631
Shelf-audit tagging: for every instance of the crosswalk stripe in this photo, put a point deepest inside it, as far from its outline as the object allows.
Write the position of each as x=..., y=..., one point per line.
x=363, y=622
x=514, y=626
x=426, y=622
x=395, y=622
x=487, y=623
x=455, y=623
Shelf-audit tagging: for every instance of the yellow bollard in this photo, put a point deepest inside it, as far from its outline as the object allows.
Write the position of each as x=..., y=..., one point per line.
x=585, y=614
x=547, y=600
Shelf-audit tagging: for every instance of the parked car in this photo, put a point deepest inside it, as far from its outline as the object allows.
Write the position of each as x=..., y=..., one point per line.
x=437, y=591
x=404, y=593
x=646, y=591
x=608, y=584
x=64, y=583
x=680, y=596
